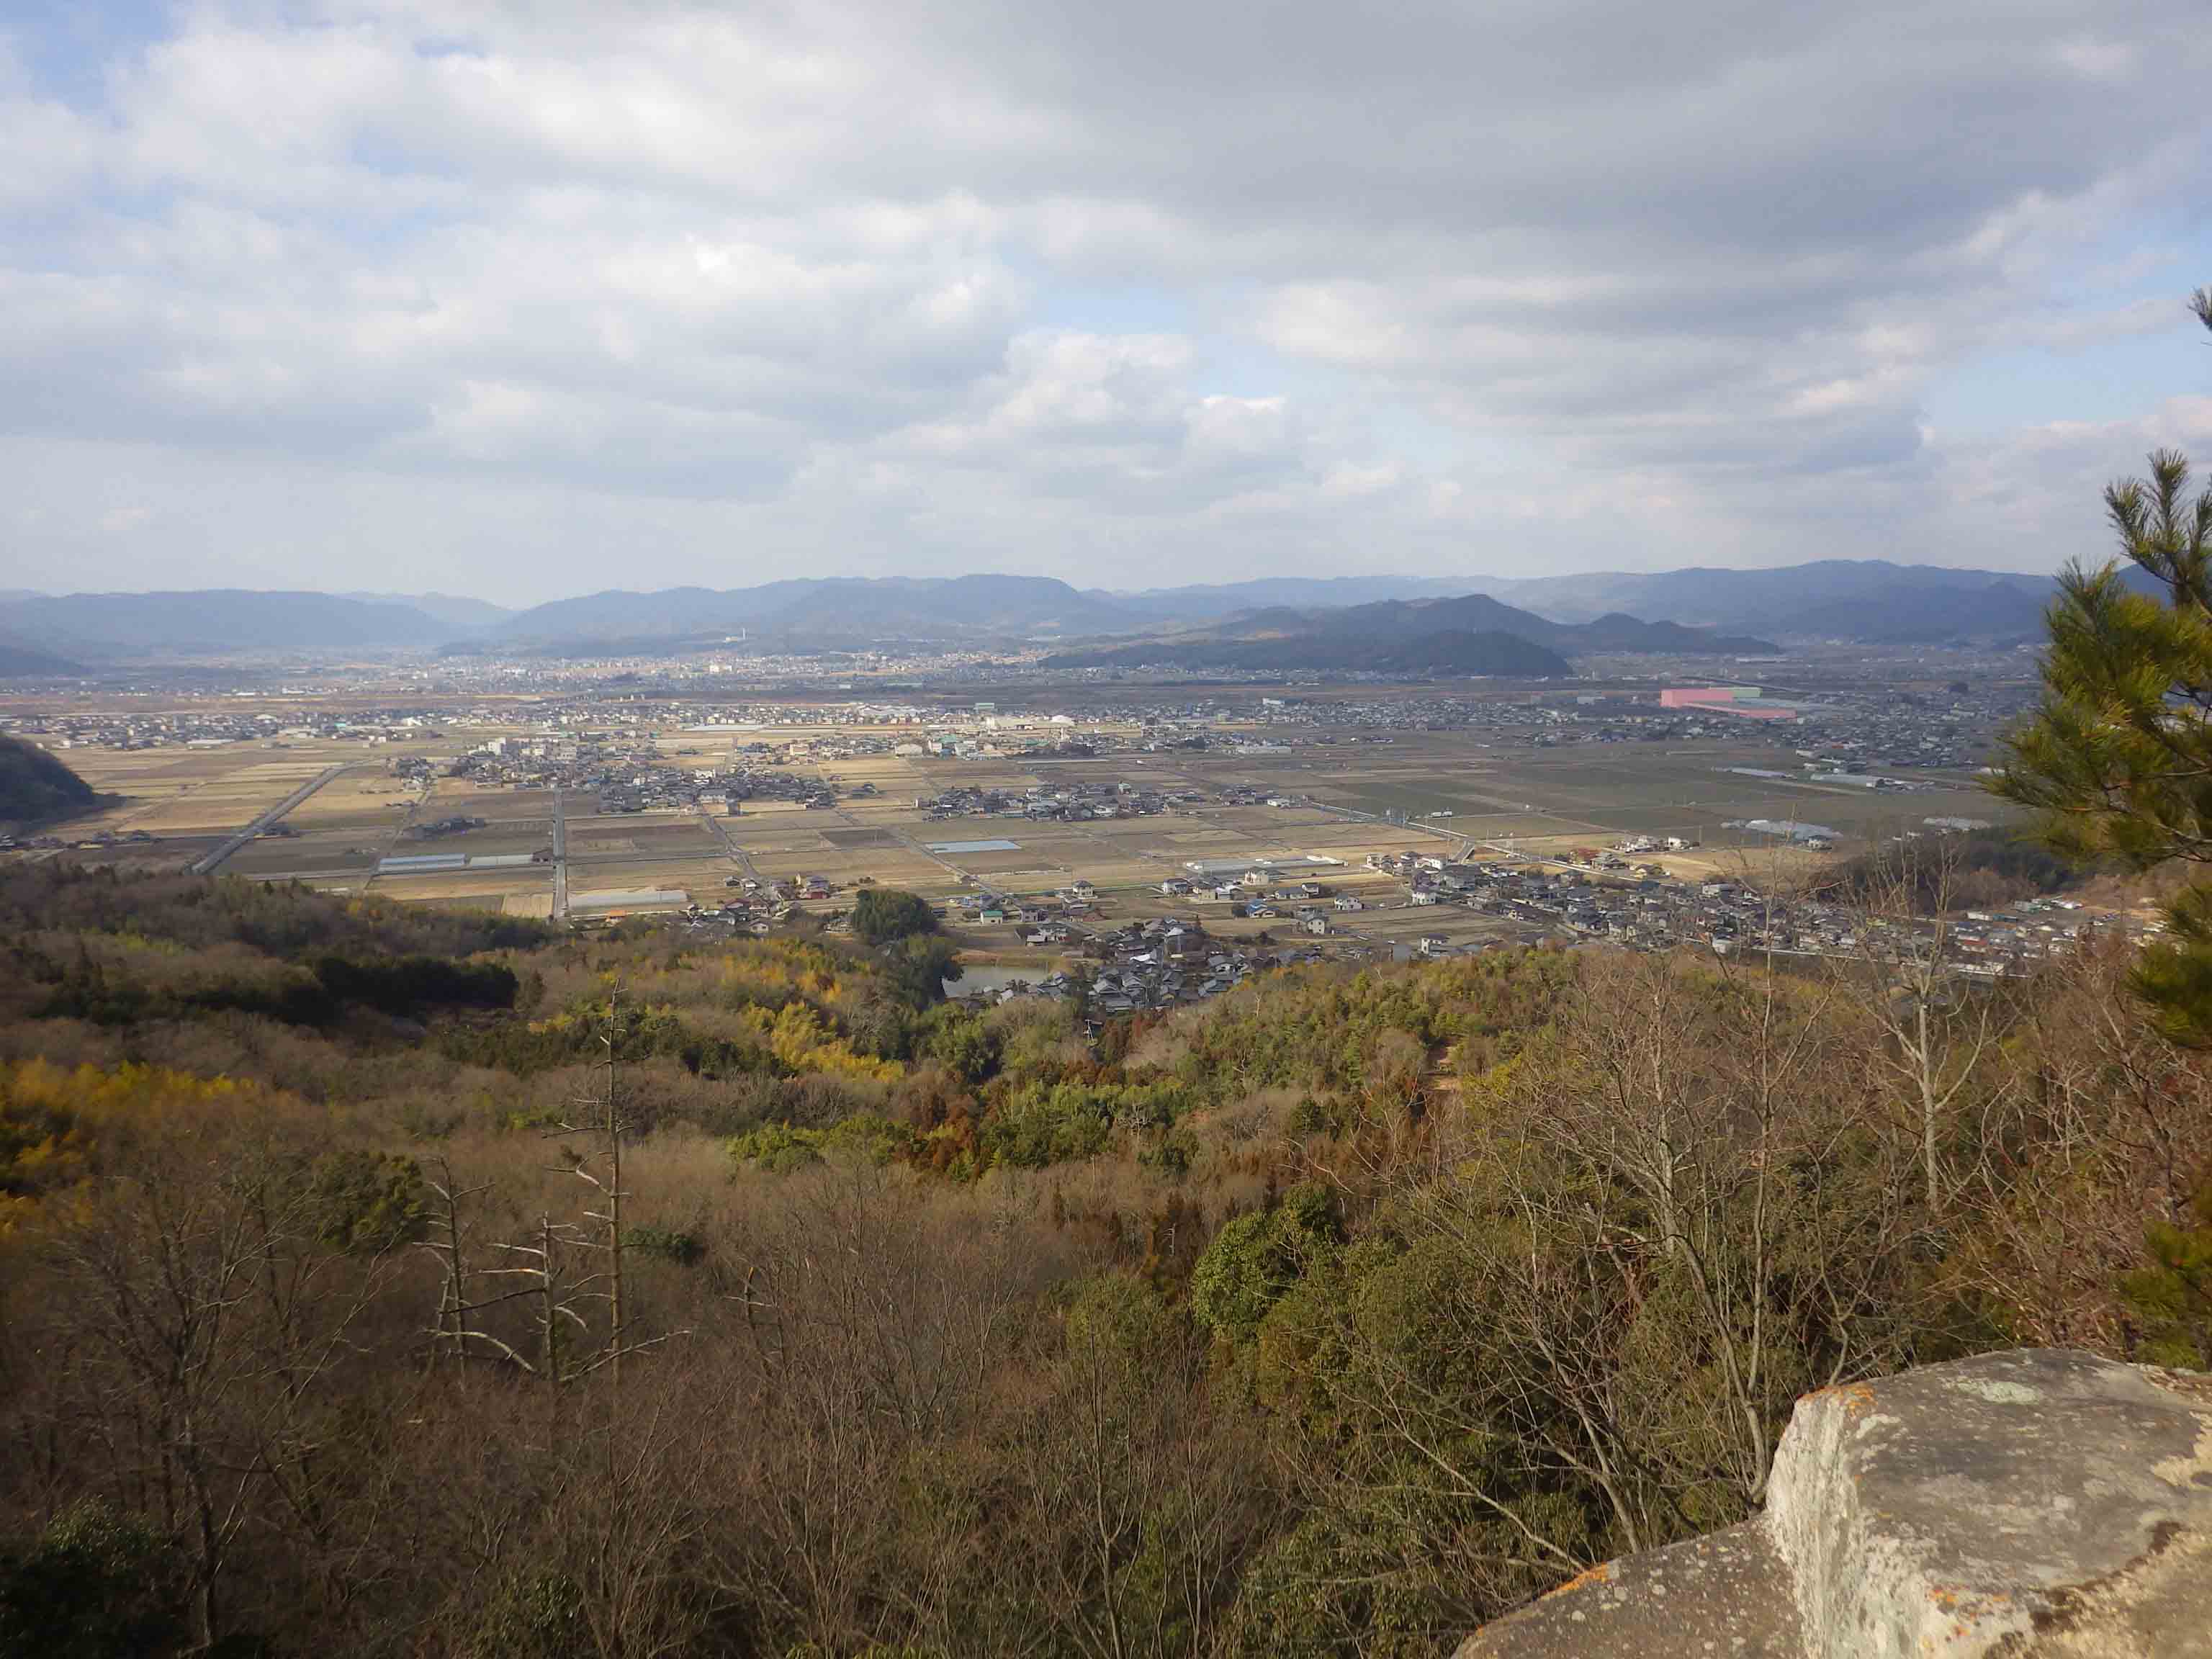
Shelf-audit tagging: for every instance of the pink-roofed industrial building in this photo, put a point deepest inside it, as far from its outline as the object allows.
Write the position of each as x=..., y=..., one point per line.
x=1743, y=701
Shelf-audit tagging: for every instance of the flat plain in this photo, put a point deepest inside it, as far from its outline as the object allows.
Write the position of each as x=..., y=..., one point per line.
x=1348, y=794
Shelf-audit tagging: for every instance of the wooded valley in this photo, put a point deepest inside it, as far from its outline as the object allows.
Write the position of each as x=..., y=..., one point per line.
x=1334, y=1317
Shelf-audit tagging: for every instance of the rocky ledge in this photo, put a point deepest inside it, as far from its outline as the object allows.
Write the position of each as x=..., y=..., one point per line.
x=2036, y=1502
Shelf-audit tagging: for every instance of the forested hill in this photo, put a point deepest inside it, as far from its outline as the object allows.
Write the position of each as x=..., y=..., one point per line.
x=1334, y=1315
x=21, y=661
x=36, y=787
x=1448, y=652
x=1473, y=634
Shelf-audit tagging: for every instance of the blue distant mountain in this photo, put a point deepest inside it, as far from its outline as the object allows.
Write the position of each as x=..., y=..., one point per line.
x=834, y=608
x=208, y=622
x=21, y=661
x=1467, y=633
x=1872, y=601
x=1869, y=599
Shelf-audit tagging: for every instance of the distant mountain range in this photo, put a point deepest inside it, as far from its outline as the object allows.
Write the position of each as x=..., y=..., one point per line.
x=209, y=622
x=1442, y=651
x=1471, y=634
x=1737, y=611
x=1480, y=612
x=454, y=609
x=1297, y=592
x=1874, y=601
x=1870, y=599
x=827, y=609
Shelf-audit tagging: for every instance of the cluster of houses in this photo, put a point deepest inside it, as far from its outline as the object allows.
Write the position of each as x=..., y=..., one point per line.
x=1164, y=961
x=626, y=775
x=1264, y=894
x=1070, y=801
x=1992, y=942
x=219, y=726
x=1640, y=911
x=98, y=838
x=756, y=906
x=1044, y=920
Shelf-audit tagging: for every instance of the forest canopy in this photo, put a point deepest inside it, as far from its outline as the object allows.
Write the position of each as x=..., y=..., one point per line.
x=1334, y=1316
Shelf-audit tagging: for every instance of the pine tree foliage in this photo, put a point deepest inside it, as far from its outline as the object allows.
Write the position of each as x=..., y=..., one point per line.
x=2117, y=759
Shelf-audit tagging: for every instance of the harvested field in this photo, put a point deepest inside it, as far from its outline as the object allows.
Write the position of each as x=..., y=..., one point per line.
x=1484, y=789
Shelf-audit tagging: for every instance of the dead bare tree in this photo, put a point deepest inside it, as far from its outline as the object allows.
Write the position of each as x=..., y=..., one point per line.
x=448, y=1243
x=1697, y=1128
x=214, y=1321
x=606, y=1124
x=548, y=1268
x=1907, y=972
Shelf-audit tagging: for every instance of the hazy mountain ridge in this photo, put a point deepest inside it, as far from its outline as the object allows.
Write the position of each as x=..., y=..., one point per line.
x=1459, y=635
x=833, y=608
x=455, y=610
x=1296, y=593
x=1442, y=651
x=19, y=660
x=213, y=620
x=1871, y=600
x=1614, y=631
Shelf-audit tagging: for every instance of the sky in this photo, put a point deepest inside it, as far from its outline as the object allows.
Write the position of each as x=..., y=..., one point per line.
x=520, y=300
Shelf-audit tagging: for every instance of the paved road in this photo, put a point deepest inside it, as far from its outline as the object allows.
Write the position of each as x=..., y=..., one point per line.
x=560, y=858
x=211, y=862
x=737, y=854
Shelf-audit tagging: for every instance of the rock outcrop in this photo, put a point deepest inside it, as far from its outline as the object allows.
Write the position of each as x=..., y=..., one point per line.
x=2036, y=1502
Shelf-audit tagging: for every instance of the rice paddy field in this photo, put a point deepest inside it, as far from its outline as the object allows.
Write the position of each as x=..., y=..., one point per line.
x=1448, y=792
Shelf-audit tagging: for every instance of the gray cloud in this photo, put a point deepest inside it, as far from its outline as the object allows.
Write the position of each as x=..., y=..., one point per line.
x=1195, y=291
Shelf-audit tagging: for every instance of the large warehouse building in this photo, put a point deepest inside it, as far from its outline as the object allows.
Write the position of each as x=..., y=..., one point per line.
x=1742, y=701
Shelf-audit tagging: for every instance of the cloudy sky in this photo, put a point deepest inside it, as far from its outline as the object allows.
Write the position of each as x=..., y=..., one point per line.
x=528, y=299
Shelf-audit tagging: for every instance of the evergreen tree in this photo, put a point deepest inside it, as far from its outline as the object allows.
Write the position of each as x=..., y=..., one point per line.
x=2117, y=759
x=881, y=914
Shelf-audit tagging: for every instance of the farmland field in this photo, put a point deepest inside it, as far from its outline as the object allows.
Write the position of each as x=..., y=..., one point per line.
x=1345, y=794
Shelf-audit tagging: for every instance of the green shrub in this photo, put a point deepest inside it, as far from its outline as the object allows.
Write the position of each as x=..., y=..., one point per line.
x=667, y=1244
x=881, y=914
x=533, y=1614
x=366, y=1204
x=1255, y=1259
x=2173, y=1296
x=95, y=1585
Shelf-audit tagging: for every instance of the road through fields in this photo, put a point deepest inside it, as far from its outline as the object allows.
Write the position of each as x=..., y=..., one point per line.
x=206, y=864
x=560, y=859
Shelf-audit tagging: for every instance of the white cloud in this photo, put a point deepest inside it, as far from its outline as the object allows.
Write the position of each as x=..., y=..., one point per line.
x=986, y=284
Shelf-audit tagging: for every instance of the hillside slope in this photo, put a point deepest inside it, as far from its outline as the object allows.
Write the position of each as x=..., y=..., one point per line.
x=456, y=611
x=1439, y=651
x=827, y=609
x=18, y=659
x=36, y=787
